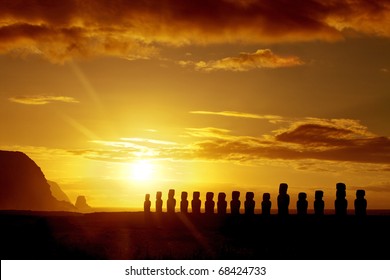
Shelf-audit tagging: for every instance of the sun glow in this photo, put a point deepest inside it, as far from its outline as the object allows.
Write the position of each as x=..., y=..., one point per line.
x=141, y=171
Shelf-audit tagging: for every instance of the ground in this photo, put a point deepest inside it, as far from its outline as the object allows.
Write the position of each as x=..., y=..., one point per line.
x=136, y=235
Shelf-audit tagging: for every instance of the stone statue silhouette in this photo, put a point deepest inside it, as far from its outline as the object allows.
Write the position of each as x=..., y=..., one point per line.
x=196, y=203
x=302, y=204
x=249, y=203
x=235, y=203
x=340, y=203
x=147, y=203
x=221, y=204
x=266, y=204
x=360, y=203
x=283, y=200
x=171, y=202
x=209, y=204
x=319, y=204
x=184, y=203
x=159, y=202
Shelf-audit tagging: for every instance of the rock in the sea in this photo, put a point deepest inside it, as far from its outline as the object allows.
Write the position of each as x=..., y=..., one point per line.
x=81, y=204
x=23, y=185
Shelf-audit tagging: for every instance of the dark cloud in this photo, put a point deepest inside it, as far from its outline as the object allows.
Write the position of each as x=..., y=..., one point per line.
x=306, y=141
x=59, y=30
x=317, y=135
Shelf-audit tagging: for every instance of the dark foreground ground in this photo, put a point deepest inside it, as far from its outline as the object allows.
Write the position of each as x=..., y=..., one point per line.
x=135, y=235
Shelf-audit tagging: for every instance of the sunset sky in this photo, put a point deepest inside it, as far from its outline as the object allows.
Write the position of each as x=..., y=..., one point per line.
x=116, y=99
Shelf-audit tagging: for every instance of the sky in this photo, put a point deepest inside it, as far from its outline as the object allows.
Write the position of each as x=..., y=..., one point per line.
x=116, y=99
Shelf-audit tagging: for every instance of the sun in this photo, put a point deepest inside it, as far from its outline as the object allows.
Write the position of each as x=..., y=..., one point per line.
x=141, y=170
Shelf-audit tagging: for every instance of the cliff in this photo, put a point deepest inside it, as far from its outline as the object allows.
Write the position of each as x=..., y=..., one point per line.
x=57, y=192
x=23, y=185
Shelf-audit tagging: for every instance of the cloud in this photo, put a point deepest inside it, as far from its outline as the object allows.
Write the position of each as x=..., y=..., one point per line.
x=306, y=143
x=61, y=30
x=246, y=61
x=42, y=99
x=208, y=132
x=378, y=187
x=271, y=118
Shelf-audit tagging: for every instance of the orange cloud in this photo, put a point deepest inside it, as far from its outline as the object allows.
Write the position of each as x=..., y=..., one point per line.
x=308, y=142
x=42, y=99
x=59, y=30
x=247, y=61
x=303, y=142
x=271, y=118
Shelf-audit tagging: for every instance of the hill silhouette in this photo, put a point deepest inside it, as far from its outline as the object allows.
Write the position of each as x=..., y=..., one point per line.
x=57, y=192
x=23, y=185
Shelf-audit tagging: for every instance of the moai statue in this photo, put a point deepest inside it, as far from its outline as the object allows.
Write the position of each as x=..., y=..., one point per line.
x=249, y=203
x=283, y=200
x=195, y=203
x=266, y=204
x=147, y=203
x=319, y=204
x=302, y=204
x=235, y=203
x=209, y=204
x=184, y=203
x=360, y=203
x=171, y=202
x=340, y=203
x=222, y=203
x=159, y=202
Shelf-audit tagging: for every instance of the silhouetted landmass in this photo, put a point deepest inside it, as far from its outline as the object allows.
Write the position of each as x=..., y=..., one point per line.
x=23, y=186
x=136, y=235
x=57, y=192
x=82, y=205
x=43, y=234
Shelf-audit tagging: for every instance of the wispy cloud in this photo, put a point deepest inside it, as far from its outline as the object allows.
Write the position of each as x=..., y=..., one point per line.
x=61, y=30
x=42, y=99
x=208, y=132
x=271, y=118
x=246, y=61
x=149, y=141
